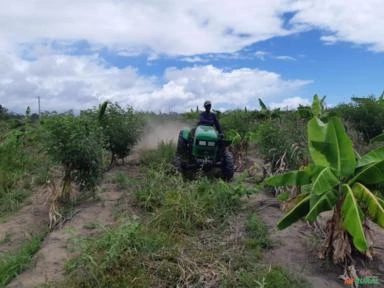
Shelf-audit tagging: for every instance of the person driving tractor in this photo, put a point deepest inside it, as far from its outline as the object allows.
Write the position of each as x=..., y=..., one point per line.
x=209, y=118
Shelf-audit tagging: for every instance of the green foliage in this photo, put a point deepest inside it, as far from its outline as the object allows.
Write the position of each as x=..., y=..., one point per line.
x=238, y=120
x=76, y=143
x=365, y=114
x=121, y=128
x=281, y=143
x=378, y=138
x=336, y=180
x=266, y=113
x=14, y=262
x=21, y=165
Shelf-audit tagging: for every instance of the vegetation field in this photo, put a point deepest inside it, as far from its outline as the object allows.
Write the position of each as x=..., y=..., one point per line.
x=95, y=200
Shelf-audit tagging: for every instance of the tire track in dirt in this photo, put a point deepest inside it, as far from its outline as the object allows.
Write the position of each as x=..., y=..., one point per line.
x=50, y=260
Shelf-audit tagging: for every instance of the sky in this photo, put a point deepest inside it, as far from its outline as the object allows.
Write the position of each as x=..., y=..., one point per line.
x=172, y=55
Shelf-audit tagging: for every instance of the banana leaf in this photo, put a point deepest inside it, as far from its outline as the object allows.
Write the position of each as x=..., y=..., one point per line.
x=299, y=177
x=262, y=105
x=324, y=203
x=370, y=174
x=316, y=141
x=375, y=210
x=324, y=181
x=316, y=106
x=296, y=213
x=381, y=201
x=352, y=220
x=378, y=138
x=373, y=156
x=341, y=154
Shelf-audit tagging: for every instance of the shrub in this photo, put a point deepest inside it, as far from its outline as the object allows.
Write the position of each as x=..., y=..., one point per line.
x=21, y=162
x=365, y=114
x=283, y=143
x=121, y=129
x=76, y=143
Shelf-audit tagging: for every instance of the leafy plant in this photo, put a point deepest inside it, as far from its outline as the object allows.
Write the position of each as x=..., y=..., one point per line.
x=121, y=128
x=365, y=114
x=336, y=180
x=76, y=143
x=240, y=144
x=21, y=165
x=282, y=143
x=266, y=113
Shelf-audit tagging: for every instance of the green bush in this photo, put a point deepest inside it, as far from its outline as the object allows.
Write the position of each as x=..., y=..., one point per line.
x=76, y=143
x=241, y=121
x=121, y=129
x=283, y=143
x=365, y=114
x=21, y=163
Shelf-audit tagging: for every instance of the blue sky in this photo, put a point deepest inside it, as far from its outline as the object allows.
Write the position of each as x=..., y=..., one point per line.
x=169, y=55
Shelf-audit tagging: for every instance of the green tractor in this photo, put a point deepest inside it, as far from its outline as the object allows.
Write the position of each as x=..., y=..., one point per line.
x=203, y=148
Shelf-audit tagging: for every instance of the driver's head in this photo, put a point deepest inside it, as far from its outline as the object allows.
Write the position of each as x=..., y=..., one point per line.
x=207, y=105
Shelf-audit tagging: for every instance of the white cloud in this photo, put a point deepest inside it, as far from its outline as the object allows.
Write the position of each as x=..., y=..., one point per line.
x=73, y=82
x=290, y=103
x=261, y=55
x=66, y=82
x=188, y=28
x=355, y=21
x=165, y=26
x=285, y=58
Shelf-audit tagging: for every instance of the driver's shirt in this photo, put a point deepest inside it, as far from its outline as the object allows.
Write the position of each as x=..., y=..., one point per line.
x=209, y=119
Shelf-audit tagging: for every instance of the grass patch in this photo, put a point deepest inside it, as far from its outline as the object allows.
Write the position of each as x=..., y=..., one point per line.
x=273, y=277
x=14, y=262
x=278, y=277
x=122, y=180
x=183, y=206
x=257, y=234
x=12, y=199
x=164, y=153
x=6, y=239
x=129, y=255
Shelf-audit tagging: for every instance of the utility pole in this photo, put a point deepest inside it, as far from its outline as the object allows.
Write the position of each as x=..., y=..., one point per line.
x=38, y=100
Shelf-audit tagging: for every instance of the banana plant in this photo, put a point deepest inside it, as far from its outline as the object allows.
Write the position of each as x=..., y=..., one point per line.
x=240, y=144
x=266, y=113
x=336, y=179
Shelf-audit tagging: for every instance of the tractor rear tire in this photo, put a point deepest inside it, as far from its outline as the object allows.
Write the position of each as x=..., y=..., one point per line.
x=178, y=164
x=227, y=165
x=182, y=147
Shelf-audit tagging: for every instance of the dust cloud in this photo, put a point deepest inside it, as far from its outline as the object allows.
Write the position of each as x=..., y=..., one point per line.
x=155, y=133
